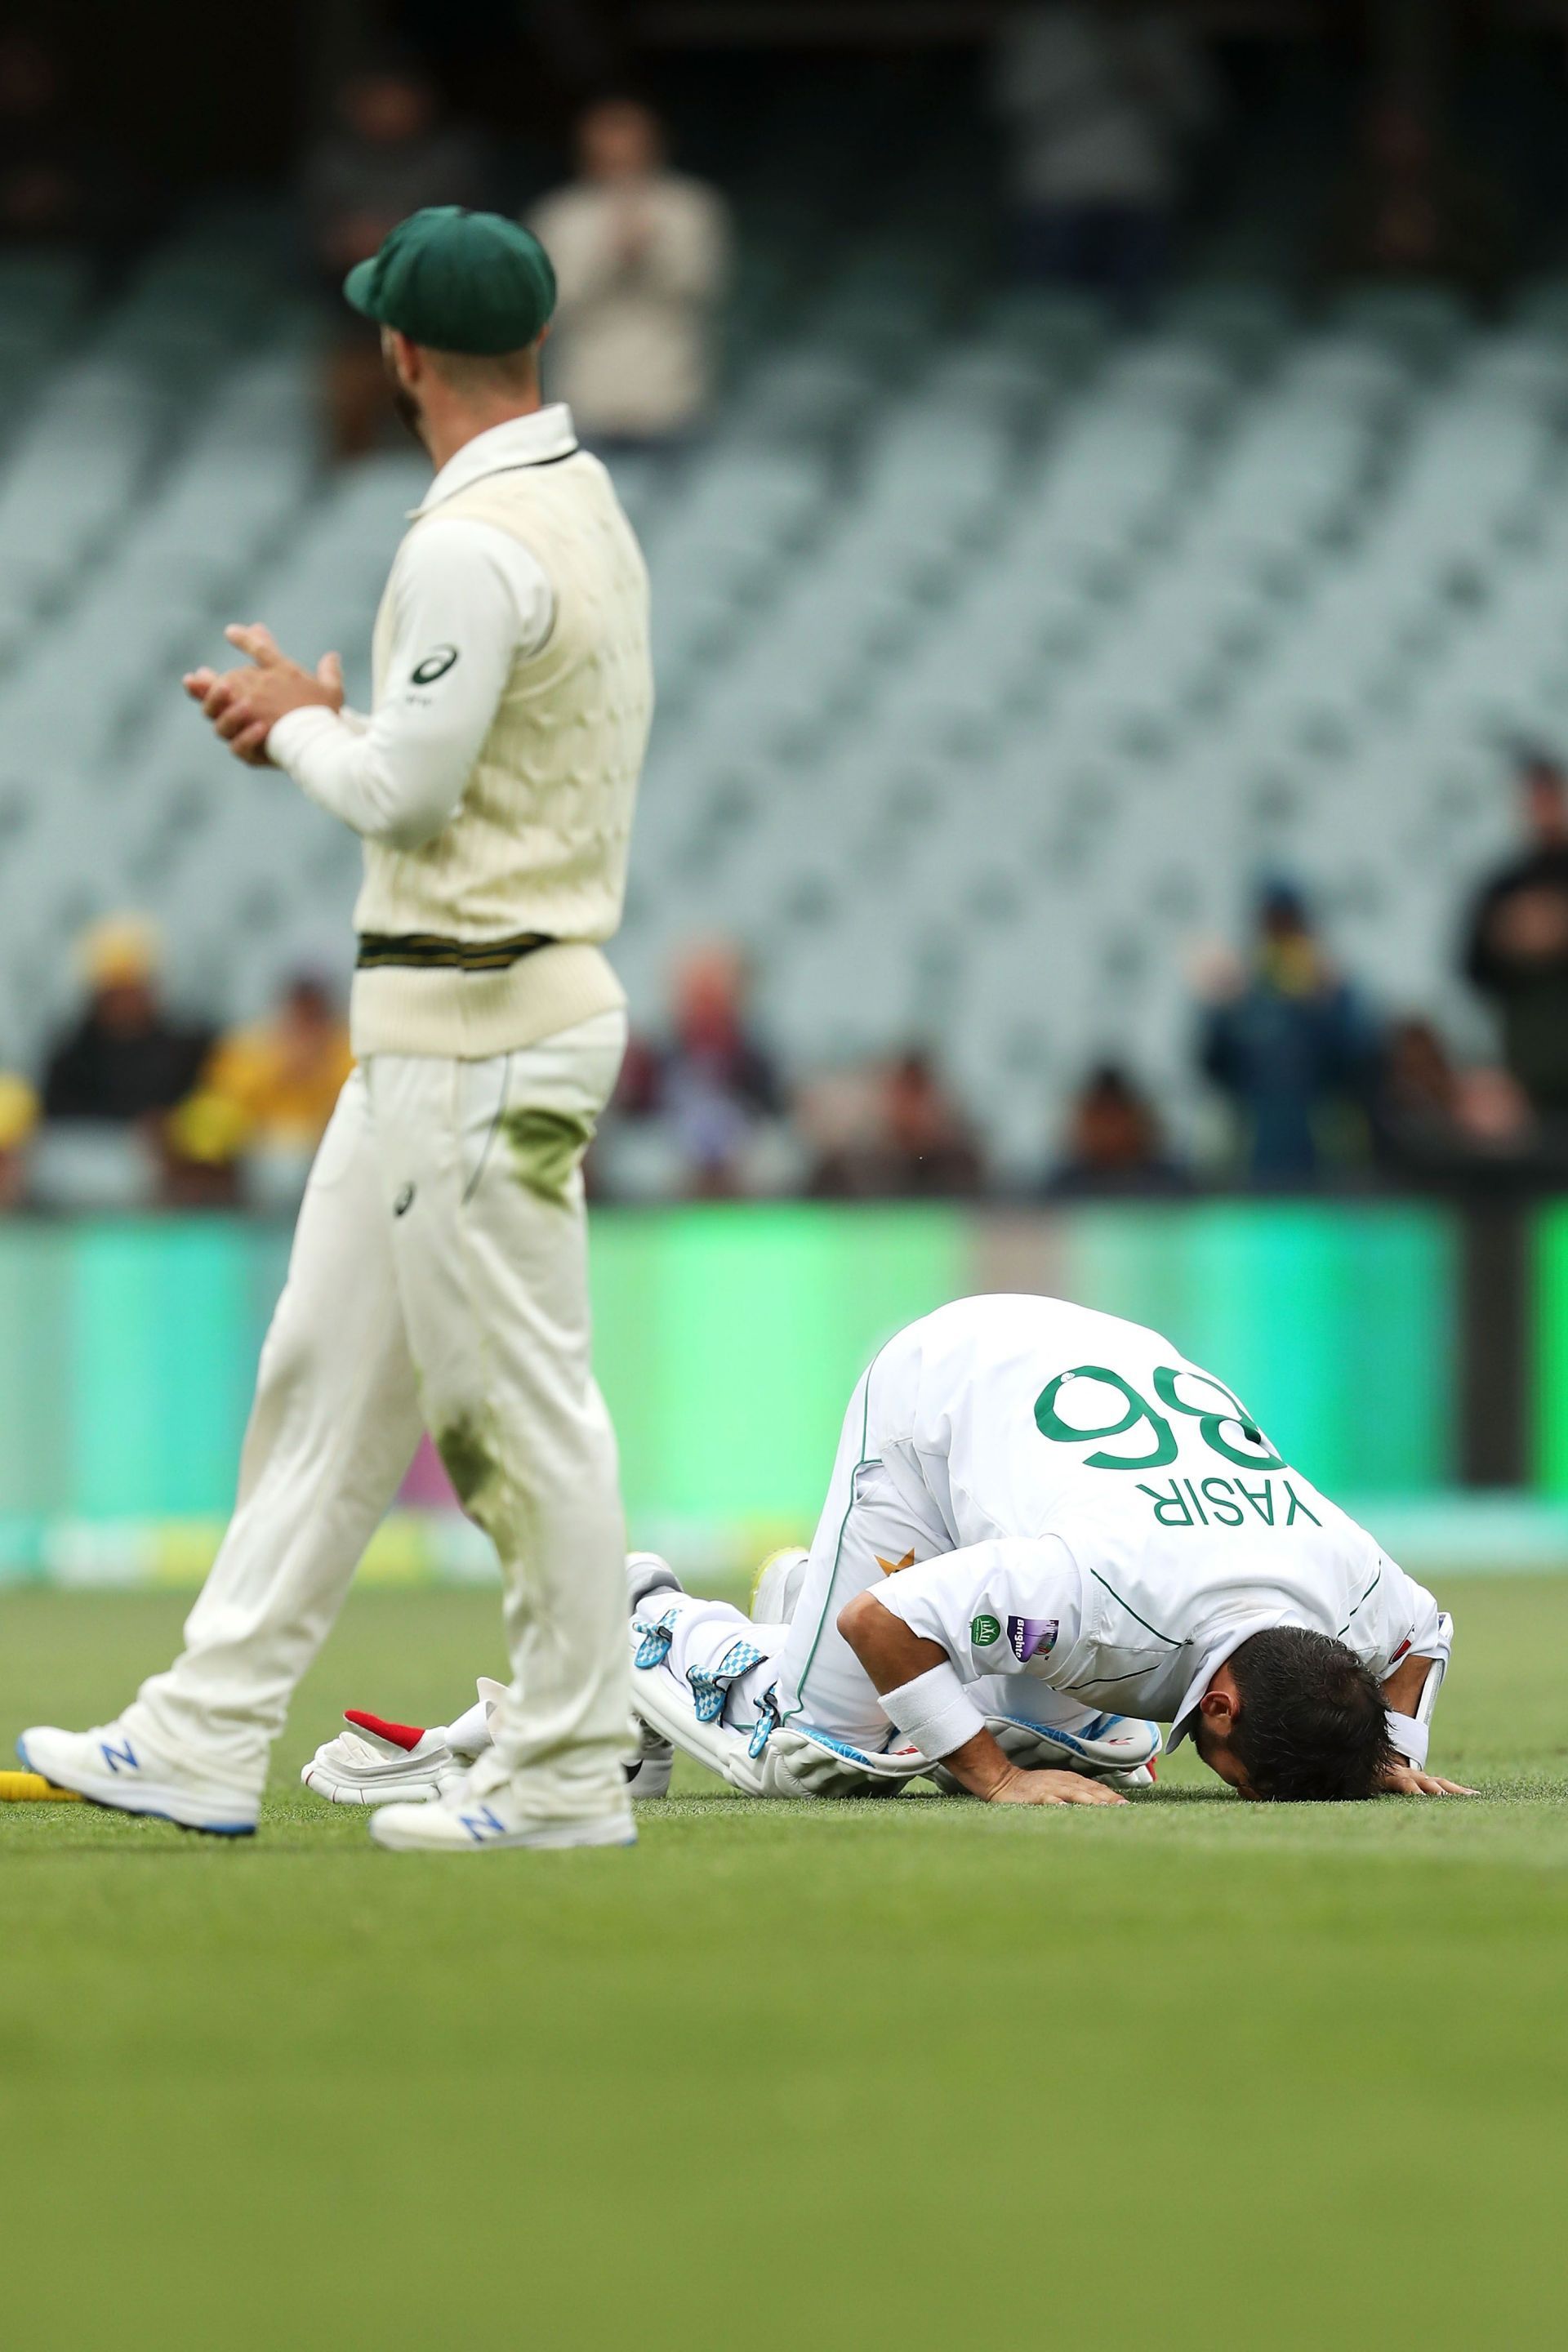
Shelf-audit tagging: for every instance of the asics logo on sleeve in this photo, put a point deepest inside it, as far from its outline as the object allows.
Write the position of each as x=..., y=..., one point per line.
x=436, y=664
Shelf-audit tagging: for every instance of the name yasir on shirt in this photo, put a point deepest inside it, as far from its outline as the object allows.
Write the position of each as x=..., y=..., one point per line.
x=1226, y=1503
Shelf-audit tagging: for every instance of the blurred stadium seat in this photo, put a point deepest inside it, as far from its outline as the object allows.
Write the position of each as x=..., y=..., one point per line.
x=1000, y=654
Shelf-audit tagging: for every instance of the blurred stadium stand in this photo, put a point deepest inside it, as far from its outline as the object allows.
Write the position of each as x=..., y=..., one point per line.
x=1000, y=651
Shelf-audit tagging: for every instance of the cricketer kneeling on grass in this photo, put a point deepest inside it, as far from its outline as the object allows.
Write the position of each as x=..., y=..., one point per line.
x=1046, y=1534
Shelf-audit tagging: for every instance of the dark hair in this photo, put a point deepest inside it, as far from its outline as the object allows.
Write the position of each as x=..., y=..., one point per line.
x=1312, y=1725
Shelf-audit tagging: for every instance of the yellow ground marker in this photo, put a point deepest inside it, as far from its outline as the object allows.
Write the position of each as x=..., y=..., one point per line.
x=32, y=1789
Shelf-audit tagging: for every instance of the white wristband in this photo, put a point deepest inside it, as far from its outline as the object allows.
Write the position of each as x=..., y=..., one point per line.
x=934, y=1711
x=1410, y=1738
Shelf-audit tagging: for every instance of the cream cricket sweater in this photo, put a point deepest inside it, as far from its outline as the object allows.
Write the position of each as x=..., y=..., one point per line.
x=495, y=780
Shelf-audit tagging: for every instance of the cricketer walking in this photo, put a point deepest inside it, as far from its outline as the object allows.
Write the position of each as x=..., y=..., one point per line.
x=1046, y=1534
x=438, y=1272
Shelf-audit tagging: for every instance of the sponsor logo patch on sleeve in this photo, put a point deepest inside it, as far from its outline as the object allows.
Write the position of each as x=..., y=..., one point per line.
x=1032, y=1637
x=984, y=1630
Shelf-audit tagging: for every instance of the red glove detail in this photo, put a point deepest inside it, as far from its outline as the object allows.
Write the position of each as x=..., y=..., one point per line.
x=402, y=1735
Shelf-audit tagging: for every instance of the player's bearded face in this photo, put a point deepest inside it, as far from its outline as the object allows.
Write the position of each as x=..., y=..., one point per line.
x=404, y=401
x=1215, y=1752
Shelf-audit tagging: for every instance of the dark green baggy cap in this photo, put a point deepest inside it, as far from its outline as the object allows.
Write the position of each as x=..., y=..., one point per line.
x=457, y=281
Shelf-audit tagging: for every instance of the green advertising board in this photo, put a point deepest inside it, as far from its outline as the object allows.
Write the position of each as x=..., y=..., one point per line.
x=1550, y=1367
x=729, y=1338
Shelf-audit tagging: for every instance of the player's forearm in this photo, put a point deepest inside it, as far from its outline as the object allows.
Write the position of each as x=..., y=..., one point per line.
x=1410, y=1697
x=981, y=1767
x=465, y=600
x=1402, y=1690
x=403, y=803
x=915, y=1680
x=924, y=1698
x=889, y=1651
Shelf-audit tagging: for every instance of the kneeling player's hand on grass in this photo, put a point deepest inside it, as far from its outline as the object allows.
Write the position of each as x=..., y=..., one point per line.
x=1020, y=1788
x=982, y=1767
x=245, y=705
x=893, y=1657
x=1403, y=1780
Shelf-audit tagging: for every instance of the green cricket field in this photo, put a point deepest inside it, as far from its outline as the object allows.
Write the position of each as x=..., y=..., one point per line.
x=916, y=2074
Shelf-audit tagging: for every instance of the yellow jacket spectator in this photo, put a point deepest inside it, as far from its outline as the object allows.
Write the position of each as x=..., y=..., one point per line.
x=282, y=1076
x=18, y=1119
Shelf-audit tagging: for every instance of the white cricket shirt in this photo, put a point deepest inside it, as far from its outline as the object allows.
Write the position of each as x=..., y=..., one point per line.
x=1119, y=1522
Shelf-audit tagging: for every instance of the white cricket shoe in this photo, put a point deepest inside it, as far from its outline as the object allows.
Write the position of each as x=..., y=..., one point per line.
x=649, y=1572
x=480, y=1813
x=649, y=1772
x=110, y=1766
x=777, y=1589
x=382, y=1763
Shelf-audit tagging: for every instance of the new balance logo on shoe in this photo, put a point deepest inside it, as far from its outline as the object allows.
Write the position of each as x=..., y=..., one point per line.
x=119, y=1758
x=482, y=1825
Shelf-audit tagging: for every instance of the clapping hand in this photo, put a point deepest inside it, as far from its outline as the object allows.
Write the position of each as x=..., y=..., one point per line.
x=246, y=704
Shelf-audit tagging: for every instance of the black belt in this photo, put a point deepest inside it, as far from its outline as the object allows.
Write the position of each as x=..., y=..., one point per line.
x=424, y=951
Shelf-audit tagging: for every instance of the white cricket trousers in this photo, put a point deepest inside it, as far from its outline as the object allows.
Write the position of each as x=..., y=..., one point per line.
x=439, y=1275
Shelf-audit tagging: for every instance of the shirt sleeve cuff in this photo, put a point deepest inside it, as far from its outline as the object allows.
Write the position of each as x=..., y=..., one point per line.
x=912, y=1606
x=291, y=737
x=1408, y=1739
x=934, y=1711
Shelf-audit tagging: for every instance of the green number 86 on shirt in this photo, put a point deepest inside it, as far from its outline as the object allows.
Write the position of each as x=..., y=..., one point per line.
x=1249, y=1449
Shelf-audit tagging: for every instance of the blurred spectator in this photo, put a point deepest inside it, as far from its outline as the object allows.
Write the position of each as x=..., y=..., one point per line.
x=714, y=1086
x=1103, y=101
x=261, y=1107
x=390, y=153
x=125, y=1059
x=43, y=189
x=247, y=1121
x=1114, y=1143
x=931, y=1146
x=198, y=1148
x=641, y=255
x=18, y=1122
x=282, y=1076
x=1409, y=210
x=1517, y=946
x=912, y=1142
x=1290, y=1042
x=1432, y=1121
